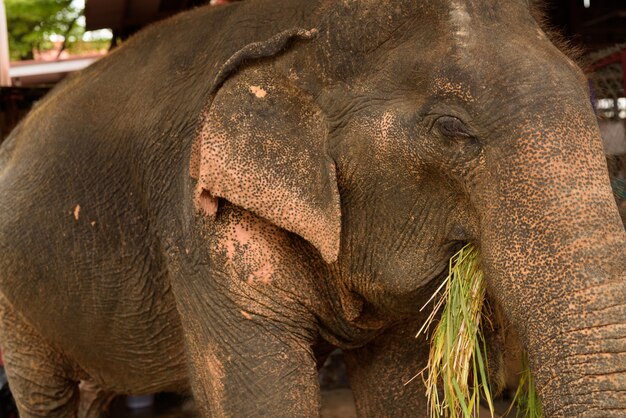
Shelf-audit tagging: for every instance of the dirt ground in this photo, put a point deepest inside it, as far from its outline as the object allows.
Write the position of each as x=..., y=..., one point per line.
x=337, y=399
x=336, y=403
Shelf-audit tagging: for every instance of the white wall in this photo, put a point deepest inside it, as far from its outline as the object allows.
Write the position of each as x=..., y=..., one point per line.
x=5, y=80
x=614, y=136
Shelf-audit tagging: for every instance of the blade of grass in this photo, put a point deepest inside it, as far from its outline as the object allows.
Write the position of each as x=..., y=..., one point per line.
x=483, y=375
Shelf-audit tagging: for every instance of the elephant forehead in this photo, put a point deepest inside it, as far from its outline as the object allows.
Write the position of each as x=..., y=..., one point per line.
x=461, y=22
x=445, y=87
x=383, y=135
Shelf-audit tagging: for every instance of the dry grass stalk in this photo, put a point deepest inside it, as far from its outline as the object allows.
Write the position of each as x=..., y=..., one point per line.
x=457, y=348
x=456, y=376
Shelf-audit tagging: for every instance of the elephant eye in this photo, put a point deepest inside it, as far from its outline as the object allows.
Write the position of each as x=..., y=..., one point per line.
x=452, y=127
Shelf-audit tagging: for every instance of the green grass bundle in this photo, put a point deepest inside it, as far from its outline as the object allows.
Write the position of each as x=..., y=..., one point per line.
x=457, y=376
x=457, y=346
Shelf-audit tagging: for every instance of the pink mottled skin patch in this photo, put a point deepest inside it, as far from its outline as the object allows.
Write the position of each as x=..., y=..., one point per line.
x=205, y=202
x=259, y=92
x=262, y=275
x=385, y=125
x=242, y=233
x=215, y=371
x=241, y=236
x=246, y=245
x=445, y=86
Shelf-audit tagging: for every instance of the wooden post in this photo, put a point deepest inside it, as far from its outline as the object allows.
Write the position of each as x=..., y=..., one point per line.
x=5, y=79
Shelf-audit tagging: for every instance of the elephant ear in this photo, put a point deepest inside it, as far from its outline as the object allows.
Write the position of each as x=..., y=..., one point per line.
x=262, y=145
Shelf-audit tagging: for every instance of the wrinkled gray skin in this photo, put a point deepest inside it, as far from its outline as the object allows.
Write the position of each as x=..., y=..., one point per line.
x=345, y=150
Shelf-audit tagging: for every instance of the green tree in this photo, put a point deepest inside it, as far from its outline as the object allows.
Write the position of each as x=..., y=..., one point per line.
x=32, y=22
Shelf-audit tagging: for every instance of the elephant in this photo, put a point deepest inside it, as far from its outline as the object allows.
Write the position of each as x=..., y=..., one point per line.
x=240, y=189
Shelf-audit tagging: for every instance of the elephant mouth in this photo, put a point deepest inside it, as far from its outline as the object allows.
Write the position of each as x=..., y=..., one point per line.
x=440, y=271
x=453, y=247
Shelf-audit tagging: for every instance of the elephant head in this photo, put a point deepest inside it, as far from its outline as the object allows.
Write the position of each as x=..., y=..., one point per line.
x=389, y=143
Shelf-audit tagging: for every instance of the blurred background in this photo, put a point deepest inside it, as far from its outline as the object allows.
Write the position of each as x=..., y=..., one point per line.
x=42, y=41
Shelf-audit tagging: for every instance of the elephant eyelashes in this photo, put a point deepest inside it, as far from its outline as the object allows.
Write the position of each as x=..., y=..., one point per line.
x=453, y=128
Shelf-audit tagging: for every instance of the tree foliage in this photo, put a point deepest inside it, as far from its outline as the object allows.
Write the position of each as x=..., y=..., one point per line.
x=32, y=22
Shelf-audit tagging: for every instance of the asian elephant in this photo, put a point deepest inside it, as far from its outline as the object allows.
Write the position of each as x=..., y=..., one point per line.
x=235, y=191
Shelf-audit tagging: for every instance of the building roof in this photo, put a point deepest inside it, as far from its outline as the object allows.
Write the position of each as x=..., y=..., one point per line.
x=127, y=16
x=32, y=73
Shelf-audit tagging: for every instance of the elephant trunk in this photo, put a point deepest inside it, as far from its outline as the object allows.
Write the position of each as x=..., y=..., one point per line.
x=554, y=253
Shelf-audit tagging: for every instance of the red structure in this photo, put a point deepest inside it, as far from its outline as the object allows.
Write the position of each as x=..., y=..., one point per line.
x=616, y=57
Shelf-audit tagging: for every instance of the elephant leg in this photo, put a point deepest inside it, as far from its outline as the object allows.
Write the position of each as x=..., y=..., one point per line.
x=93, y=400
x=257, y=374
x=39, y=376
x=380, y=370
x=248, y=334
x=244, y=364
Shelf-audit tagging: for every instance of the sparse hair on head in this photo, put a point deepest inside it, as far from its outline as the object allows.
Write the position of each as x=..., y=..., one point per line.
x=539, y=11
